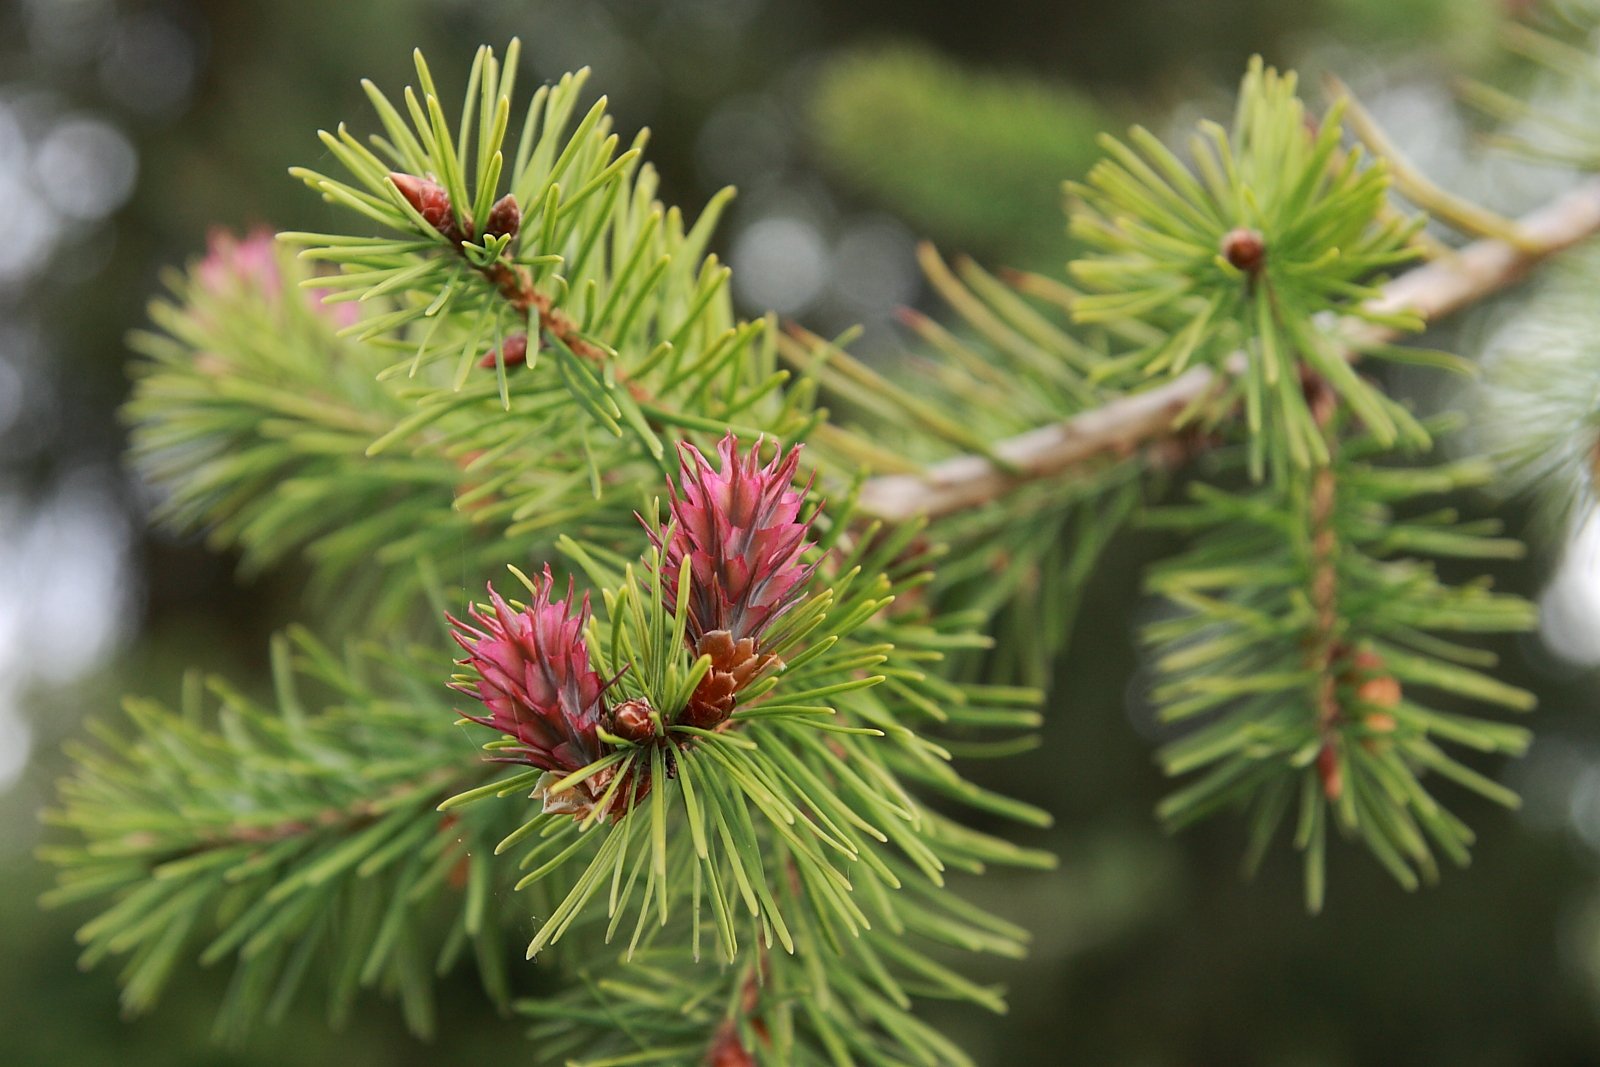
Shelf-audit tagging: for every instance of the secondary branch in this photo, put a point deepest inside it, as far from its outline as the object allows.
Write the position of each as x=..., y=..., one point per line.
x=1432, y=291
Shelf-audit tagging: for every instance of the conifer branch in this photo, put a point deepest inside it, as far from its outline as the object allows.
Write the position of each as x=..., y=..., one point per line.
x=514, y=283
x=722, y=720
x=279, y=834
x=1119, y=427
x=1310, y=622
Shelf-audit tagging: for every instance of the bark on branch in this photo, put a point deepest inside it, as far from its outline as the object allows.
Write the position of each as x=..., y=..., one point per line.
x=1432, y=291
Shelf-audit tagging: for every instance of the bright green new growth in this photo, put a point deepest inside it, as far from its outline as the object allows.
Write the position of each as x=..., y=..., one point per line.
x=599, y=271
x=1274, y=228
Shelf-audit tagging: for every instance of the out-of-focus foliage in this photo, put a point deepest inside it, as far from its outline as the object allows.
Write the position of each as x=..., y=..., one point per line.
x=1462, y=27
x=1538, y=408
x=1539, y=405
x=973, y=158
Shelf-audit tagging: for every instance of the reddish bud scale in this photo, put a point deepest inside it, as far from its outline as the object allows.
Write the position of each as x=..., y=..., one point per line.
x=505, y=218
x=431, y=202
x=1373, y=685
x=1366, y=660
x=733, y=666
x=514, y=351
x=630, y=721
x=726, y=1051
x=1382, y=692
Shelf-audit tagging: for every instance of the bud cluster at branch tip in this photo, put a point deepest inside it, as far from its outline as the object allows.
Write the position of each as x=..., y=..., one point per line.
x=533, y=676
x=432, y=202
x=741, y=530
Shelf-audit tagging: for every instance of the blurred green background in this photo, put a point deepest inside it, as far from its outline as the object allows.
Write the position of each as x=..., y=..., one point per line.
x=852, y=129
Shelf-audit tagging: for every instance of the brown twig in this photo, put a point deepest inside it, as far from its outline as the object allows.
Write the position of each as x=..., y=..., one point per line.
x=1431, y=291
x=514, y=285
x=1325, y=651
x=512, y=282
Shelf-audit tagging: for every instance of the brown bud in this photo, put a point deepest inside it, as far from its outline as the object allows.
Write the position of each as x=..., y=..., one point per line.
x=1381, y=691
x=1367, y=660
x=1321, y=400
x=427, y=196
x=505, y=218
x=514, y=350
x=630, y=720
x=1380, y=722
x=430, y=200
x=1328, y=771
x=734, y=664
x=1245, y=249
x=726, y=1051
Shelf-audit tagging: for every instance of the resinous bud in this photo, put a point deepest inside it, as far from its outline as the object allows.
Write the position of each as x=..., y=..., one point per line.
x=1245, y=249
x=429, y=198
x=514, y=351
x=505, y=218
x=631, y=721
